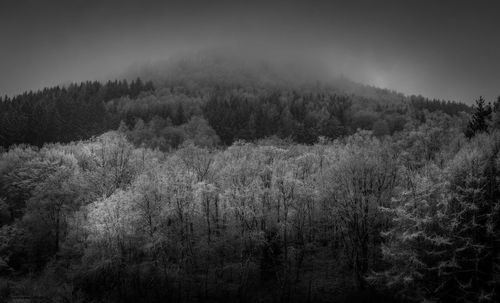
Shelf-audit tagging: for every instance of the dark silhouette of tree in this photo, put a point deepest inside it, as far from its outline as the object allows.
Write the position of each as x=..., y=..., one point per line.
x=480, y=118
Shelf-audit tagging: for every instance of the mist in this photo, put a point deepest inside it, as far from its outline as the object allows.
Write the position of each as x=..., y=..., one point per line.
x=446, y=51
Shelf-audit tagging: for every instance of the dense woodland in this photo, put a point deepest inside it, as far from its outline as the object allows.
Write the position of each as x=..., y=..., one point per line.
x=162, y=192
x=160, y=118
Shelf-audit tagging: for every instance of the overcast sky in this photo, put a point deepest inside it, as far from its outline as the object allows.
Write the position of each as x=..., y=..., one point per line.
x=440, y=49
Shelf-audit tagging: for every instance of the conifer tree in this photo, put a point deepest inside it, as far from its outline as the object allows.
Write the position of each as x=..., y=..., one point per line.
x=480, y=118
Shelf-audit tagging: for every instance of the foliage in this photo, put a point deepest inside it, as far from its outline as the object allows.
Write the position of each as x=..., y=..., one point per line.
x=444, y=242
x=62, y=114
x=240, y=188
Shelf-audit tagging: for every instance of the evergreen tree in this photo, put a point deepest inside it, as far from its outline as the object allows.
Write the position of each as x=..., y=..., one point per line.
x=418, y=236
x=480, y=118
x=444, y=244
x=495, y=118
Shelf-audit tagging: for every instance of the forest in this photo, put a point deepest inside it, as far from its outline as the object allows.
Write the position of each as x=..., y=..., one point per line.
x=186, y=191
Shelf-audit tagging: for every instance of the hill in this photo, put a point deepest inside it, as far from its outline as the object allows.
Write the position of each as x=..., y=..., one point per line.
x=234, y=97
x=207, y=183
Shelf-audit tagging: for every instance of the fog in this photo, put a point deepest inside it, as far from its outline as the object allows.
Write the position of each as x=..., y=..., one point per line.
x=448, y=51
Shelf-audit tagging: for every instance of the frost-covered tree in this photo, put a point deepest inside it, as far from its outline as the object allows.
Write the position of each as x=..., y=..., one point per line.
x=361, y=179
x=419, y=235
x=475, y=222
x=444, y=243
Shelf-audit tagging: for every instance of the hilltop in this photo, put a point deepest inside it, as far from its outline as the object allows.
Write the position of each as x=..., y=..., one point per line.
x=229, y=97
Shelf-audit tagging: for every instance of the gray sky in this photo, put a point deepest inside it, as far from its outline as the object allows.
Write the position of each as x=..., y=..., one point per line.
x=441, y=49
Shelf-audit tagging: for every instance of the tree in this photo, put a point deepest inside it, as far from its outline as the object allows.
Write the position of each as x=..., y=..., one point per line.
x=473, y=209
x=381, y=128
x=112, y=222
x=480, y=118
x=447, y=224
x=419, y=234
x=52, y=202
x=199, y=131
x=361, y=179
x=113, y=162
x=495, y=118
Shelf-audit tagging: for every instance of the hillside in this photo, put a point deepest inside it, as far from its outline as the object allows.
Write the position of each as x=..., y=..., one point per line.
x=272, y=151
x=205, y=182
x=238, y=98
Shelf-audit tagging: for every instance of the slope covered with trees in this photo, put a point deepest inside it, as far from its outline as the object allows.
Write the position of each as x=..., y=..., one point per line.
x=255, y=193
x=235, y=102
x=62, y=114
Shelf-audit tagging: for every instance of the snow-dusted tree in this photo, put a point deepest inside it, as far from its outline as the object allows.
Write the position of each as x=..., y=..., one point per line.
x=112, y=163
x=113, y=223
x=444, y=245
x=474, y=207
x=361, y=179
x=419, y=236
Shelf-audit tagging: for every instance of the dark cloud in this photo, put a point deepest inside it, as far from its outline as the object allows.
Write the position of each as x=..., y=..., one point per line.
x=443, y=49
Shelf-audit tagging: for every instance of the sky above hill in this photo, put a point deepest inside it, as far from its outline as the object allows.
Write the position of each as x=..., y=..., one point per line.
x=440, y=49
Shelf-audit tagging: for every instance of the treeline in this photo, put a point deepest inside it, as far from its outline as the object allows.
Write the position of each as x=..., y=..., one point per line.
x=301, y=117
x=448, y=107
x=80, y=111
x=257, y=113
x=62, y=114
x=413, y=216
